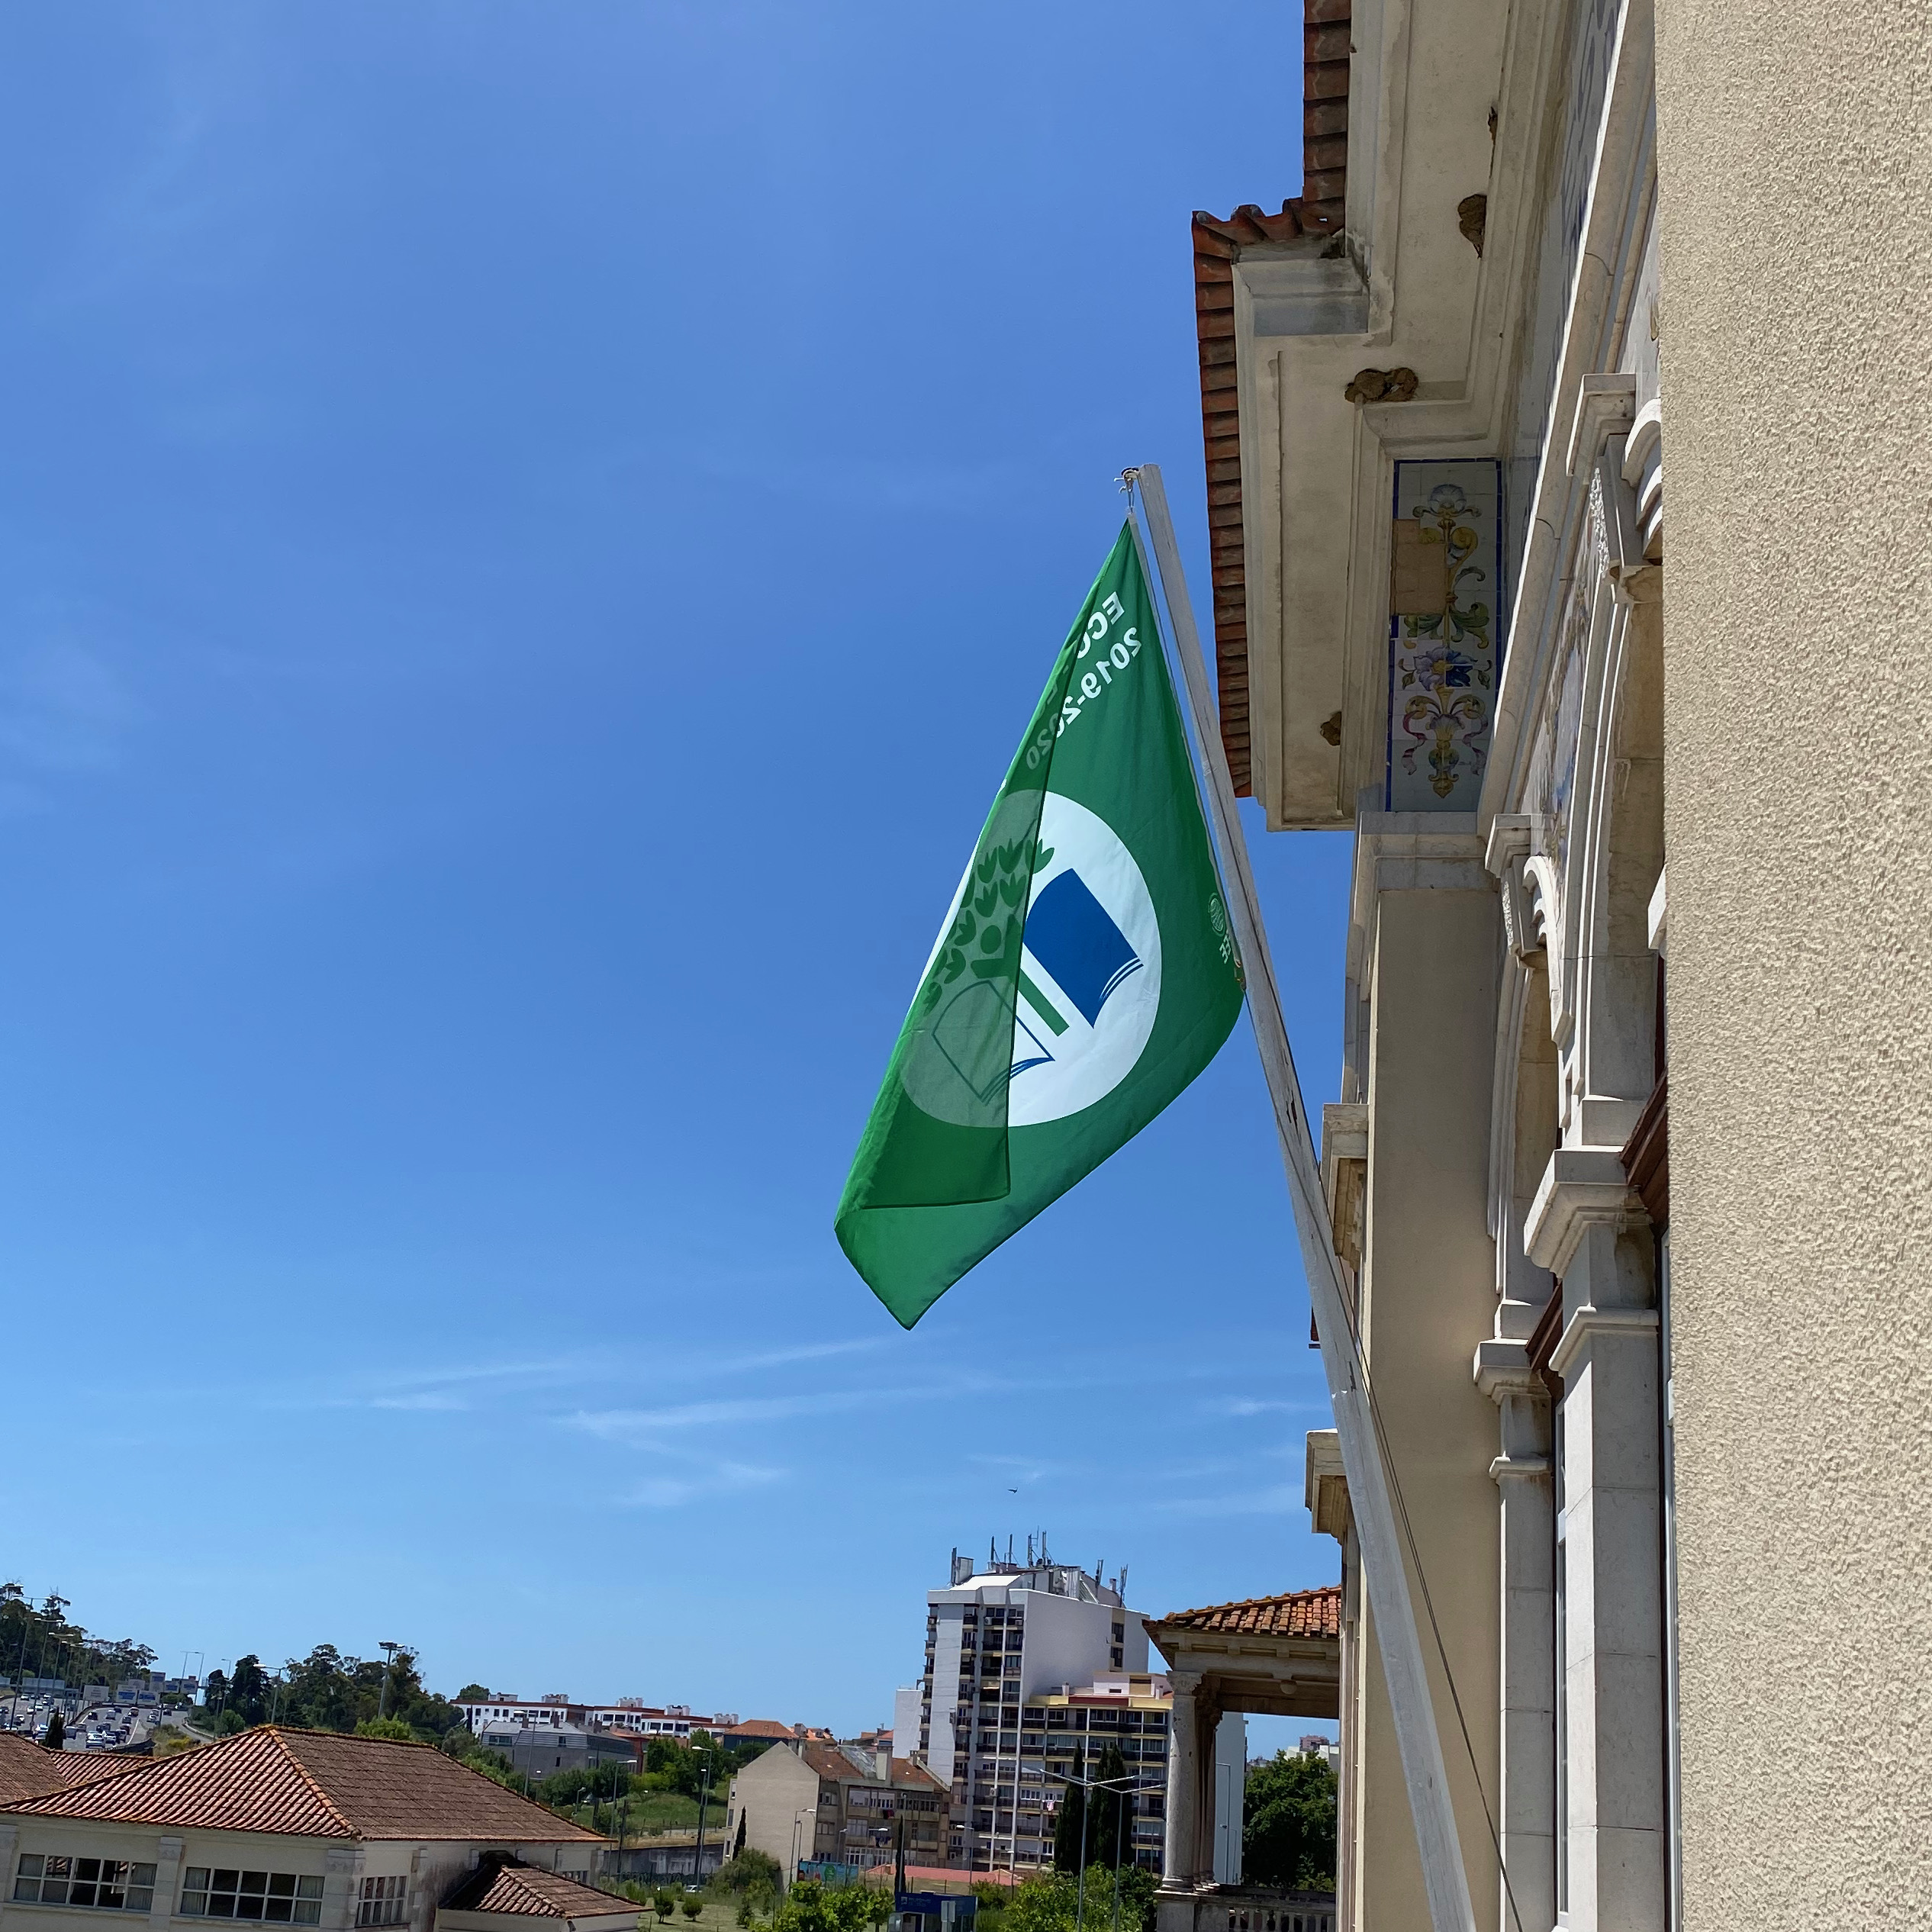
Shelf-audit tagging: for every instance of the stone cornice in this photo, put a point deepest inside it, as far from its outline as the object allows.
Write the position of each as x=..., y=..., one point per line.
x=1582, y=1187
x=1588, y=1323
x=1503, y=1369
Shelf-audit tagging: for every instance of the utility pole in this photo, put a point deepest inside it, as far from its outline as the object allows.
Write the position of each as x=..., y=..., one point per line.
x=703, y=1805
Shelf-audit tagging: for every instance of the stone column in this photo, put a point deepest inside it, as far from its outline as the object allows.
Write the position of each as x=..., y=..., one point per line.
x=167, y=1882
x=1527, y=1820
x=341, y=1887
x=1180, y=1863
x=1591, y=1232
x=1183, y=1781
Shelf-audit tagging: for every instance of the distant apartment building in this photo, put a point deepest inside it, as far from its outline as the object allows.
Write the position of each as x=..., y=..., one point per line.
x=832, y=1804
x=1004, y=1643
x=542, y=1750
x=1068, y=1730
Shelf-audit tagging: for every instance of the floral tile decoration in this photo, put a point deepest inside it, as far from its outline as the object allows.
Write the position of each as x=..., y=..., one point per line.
x=1442, y=669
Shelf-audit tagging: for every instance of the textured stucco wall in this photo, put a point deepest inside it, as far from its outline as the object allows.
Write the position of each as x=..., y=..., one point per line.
x=1795, y=156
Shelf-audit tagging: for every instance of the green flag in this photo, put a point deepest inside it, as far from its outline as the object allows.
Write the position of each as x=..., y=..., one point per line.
x=1085, y=974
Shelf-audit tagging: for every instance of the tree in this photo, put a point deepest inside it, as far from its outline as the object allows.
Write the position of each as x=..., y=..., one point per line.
x=748, y=1868
x=214, y=1692
x=56, y=1734
x=393, y=1728
x=248, y=1691
x=1289, y=1837
x=693, y=1906
x=1070, y=1852
x=808, y=1907
x=664, y=1904
x=1110, y=1817
x=471, y=1694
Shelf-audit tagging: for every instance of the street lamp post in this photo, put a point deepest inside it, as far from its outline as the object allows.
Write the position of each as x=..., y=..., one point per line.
x=797, y=1824
x=1121, y=1786
x=704, y=1806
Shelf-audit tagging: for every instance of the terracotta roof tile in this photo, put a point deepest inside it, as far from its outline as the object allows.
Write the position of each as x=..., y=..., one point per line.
x=312, y=1784
x=29, y=1770
x=829, y=1761
x=1320, y=210
x=526, y=1891
x=1300, y=1613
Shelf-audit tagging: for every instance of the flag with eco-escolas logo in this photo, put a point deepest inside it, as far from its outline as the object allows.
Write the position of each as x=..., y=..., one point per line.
x=1085, y=974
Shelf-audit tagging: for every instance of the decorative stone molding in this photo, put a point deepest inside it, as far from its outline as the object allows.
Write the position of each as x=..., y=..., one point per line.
x=1345, y=1174
x=1588, y=1323
x=1324, y=1487
x=1502, y=1369
x=1604, y=402
x=1644, y=472
x=1582, y=1187
x=1529, y=899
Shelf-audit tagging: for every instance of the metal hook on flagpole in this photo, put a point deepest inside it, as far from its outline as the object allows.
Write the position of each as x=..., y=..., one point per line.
x=1126, y=479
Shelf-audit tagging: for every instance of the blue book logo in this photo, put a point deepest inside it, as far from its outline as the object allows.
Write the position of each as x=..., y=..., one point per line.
x=1073, y=936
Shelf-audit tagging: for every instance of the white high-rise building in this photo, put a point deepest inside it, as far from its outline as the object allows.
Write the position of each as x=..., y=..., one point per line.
x=1000, y=1638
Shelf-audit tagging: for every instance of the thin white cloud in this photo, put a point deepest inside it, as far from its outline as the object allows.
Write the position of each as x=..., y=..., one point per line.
x=672, y=1492
x=623, y=1424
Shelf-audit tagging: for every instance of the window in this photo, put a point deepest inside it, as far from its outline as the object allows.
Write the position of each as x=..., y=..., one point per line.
x=383, y=1902
x=280, y=1897
x=111, y=1885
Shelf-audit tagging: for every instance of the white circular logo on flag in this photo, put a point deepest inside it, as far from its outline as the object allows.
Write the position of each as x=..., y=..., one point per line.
x=1090, y=982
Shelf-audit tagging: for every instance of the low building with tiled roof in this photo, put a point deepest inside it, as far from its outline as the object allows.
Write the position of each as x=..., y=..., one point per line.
x=30, y=1770
x=296, y=1827
x=503, y=1894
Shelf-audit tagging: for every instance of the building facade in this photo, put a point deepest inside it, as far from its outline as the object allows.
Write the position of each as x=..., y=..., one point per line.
x=1629, y=1166
x=826, y=1804
x=629, y=1715
x=300, y=1828
x=1000, y=1640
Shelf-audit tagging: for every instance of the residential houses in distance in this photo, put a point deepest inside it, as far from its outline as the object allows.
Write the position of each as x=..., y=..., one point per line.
x=816, y=1803
x=630, y=1717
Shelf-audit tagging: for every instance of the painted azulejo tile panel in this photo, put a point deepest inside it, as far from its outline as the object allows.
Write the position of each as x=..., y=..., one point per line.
x=1442, y=669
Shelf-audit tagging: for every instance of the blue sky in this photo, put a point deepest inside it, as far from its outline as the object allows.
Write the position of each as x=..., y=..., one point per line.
x=529, y=530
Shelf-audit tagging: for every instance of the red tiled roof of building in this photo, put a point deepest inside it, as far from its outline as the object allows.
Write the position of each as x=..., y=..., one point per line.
x=313, y=1784
x=1300, y=1613
x=830, y=1761
x=30, y=1770
x=1319, y=210
x=527, y=1892
x=761, y=1728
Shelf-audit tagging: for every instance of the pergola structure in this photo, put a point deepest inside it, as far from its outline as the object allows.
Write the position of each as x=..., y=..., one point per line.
x=1274, y=1655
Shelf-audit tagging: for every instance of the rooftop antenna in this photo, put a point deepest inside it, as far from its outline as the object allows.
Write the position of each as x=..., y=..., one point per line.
x=992, y=1552
x=1120, y=1583
x=1009, y=1549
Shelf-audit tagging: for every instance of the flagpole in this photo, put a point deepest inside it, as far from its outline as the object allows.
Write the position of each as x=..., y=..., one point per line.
x=1398, y=1640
